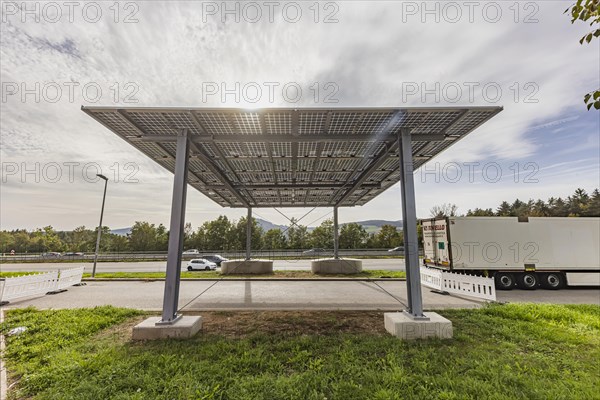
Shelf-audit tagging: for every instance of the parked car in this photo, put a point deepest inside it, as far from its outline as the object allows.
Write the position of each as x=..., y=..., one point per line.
x=399, y=248
x=201, y=264
x=51, y=254
x=216, y=258
x=73, y=254
x=314, y=251
x=191, y=251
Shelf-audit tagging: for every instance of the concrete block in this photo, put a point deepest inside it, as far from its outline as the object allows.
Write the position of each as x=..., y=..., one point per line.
x=250, y=267
x=184, y=328
x=404, y=327
x=336, y=266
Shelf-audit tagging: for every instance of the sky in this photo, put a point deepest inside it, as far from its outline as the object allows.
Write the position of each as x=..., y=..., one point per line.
x=57, y=56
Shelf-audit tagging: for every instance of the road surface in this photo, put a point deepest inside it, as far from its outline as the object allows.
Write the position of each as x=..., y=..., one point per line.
x=395, y=264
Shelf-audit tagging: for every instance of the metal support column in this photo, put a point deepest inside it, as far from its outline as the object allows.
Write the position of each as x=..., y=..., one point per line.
x=336, y=238
x=171, y=296
x=249, y=233
x=409, y=227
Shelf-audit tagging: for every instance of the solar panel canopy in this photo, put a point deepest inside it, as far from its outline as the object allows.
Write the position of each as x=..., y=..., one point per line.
x=291, y=157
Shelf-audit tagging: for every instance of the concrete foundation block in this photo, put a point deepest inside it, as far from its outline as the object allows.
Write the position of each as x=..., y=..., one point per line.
x=404, y=327
x=184, y=328
x=336, y=266
x=250, y=267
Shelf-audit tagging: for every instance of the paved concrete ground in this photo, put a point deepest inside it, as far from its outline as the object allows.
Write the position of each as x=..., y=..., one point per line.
x=160, y=266
x=231, y=295
x=281, y=295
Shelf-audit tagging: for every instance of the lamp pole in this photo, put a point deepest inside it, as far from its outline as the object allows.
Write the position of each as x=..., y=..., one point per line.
x=100, y=225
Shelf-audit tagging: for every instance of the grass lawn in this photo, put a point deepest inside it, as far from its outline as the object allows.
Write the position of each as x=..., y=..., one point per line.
x=216, y=275
x=513, y=351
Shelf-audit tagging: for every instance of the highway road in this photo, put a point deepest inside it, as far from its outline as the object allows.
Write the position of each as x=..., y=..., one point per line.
x=395, y=264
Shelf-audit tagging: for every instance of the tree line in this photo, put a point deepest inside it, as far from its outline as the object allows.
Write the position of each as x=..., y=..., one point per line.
x=224, y=234
x=220, y=234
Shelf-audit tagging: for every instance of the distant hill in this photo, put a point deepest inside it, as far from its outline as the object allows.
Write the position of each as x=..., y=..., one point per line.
x=371, y=226
x=121, y=232
x=374, y=225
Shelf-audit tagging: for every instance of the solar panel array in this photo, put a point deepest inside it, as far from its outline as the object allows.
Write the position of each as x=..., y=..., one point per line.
x=291, y=157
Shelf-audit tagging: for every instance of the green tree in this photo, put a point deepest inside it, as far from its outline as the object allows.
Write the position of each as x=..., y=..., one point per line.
x=143, y=237
x=118, y=243
x=353, y=236
x=480, y=212
x=322, y=235
x=588, y=11
x=578, y=202
x=240, y=234
x=388, y=237
x=503, y=210
x=7, y=242
x=298, y=237
x=274, y=239
x=593, y=209
x=218, y=234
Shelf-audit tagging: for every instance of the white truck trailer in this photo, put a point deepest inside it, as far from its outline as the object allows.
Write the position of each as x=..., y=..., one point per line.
x=525, y=253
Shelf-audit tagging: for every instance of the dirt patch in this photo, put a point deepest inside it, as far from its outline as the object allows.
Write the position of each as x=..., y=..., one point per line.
x=293, y=323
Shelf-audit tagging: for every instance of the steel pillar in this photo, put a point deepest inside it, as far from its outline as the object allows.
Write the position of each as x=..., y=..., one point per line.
x=171, y=296
x=336, y=239
x=99, y=229
x=409, y=226
x=249, y=233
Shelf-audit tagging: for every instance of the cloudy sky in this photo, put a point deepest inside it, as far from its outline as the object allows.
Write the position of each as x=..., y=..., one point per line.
x=54, y=58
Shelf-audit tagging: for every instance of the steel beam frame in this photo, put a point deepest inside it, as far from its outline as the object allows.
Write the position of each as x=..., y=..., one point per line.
x=409, y=227
x=176, y=235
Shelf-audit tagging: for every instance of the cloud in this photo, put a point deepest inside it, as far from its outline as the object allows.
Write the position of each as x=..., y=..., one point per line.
x=375, y=48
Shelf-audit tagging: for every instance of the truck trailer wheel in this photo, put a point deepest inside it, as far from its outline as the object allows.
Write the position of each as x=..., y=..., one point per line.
x=504, y=281
x=553, y=281
x=528, y=281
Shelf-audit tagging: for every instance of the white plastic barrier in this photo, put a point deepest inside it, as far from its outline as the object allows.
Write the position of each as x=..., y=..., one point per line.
x=461, y=284
x=69, y=277
x=29, y=285
x=432, y=278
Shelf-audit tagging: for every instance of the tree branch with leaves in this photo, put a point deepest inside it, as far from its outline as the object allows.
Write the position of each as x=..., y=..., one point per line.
x=588, y=11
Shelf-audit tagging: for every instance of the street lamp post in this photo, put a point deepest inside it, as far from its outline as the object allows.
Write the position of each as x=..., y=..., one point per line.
x=100, y=225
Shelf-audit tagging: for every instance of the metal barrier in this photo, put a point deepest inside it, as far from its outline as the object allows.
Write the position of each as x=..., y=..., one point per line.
x=39, y=284
x=465, y=285
x=29, y=285
x=69, y=277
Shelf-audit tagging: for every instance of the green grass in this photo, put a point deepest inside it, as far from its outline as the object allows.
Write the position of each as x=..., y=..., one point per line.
x=216, y=275
x=513, y=351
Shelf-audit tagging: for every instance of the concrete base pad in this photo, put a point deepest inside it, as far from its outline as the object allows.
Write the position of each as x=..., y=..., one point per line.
x=184, y=328
x=336, y=266
x=404, y=327
x=250, y=267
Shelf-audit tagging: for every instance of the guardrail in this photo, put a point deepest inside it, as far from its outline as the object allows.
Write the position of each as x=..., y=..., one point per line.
x=479, y=287
x=231, y=254
x=39, y=284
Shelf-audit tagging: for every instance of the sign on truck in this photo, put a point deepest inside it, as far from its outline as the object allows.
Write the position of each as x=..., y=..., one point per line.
x=526, y=253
